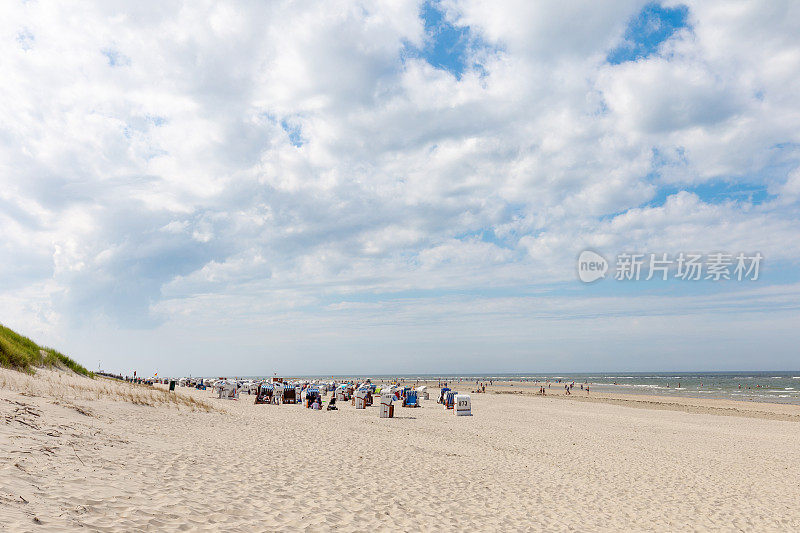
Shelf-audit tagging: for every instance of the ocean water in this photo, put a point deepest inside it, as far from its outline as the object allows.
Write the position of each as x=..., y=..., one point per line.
x=777, y=387
x=774, y=386
x=768, y=386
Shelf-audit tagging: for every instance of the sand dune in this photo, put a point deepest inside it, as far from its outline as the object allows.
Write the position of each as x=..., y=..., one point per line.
x=520, y=463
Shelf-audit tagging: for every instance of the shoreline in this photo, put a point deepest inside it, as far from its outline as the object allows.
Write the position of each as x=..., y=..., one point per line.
x=717, y=406
x=688, y=404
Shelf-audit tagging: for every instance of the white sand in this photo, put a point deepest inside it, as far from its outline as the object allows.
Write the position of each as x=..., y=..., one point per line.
x=520, y=463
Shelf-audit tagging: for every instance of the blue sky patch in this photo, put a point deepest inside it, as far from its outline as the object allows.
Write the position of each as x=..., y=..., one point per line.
x=156, y=120
x=25, y=39
x=295, y=133
x=486, y=235
x=717, y=192
x=447, y=46
x=653, y=25
x=116, y=58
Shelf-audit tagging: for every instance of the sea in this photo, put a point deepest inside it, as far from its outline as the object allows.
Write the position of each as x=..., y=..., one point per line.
x=762, y=386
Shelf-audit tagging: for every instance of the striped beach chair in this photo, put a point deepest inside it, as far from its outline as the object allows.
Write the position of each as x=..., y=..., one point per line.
x=450, y=399
x=411, y=399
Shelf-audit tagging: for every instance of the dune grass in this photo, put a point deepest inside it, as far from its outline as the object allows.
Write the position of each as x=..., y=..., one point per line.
x=67, y=388
x=21, y=353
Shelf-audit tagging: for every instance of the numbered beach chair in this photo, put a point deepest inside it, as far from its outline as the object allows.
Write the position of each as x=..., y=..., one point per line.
x=463, y=405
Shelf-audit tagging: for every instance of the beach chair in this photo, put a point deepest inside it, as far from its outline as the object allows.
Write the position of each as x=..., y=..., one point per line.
x=387, y=409
x=442, y=394
x=264, y=394
x=341, y=393
x=361, y=399
x=311, y=397
x=411, y=399
x=229, y=391
x=289, y=395
x=450, y=399
x=463, y=405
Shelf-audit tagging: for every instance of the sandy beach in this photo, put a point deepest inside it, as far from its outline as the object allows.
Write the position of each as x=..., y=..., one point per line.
x=92, y=454
x=583, y=215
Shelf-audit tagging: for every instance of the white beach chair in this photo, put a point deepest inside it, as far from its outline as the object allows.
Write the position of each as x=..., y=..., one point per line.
x=463, y=405
x=387, y=409
x=361, y=399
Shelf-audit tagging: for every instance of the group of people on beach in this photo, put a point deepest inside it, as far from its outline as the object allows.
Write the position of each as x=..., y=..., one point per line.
x=567, y=388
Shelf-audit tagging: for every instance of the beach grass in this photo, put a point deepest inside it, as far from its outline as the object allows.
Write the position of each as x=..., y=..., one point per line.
x=66, y=388
x=21, y=353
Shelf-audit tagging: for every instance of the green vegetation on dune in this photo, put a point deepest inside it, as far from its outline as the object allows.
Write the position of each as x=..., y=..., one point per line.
x=21, y=353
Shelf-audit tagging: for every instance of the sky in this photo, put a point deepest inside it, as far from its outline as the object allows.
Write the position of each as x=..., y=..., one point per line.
x=242, y=188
